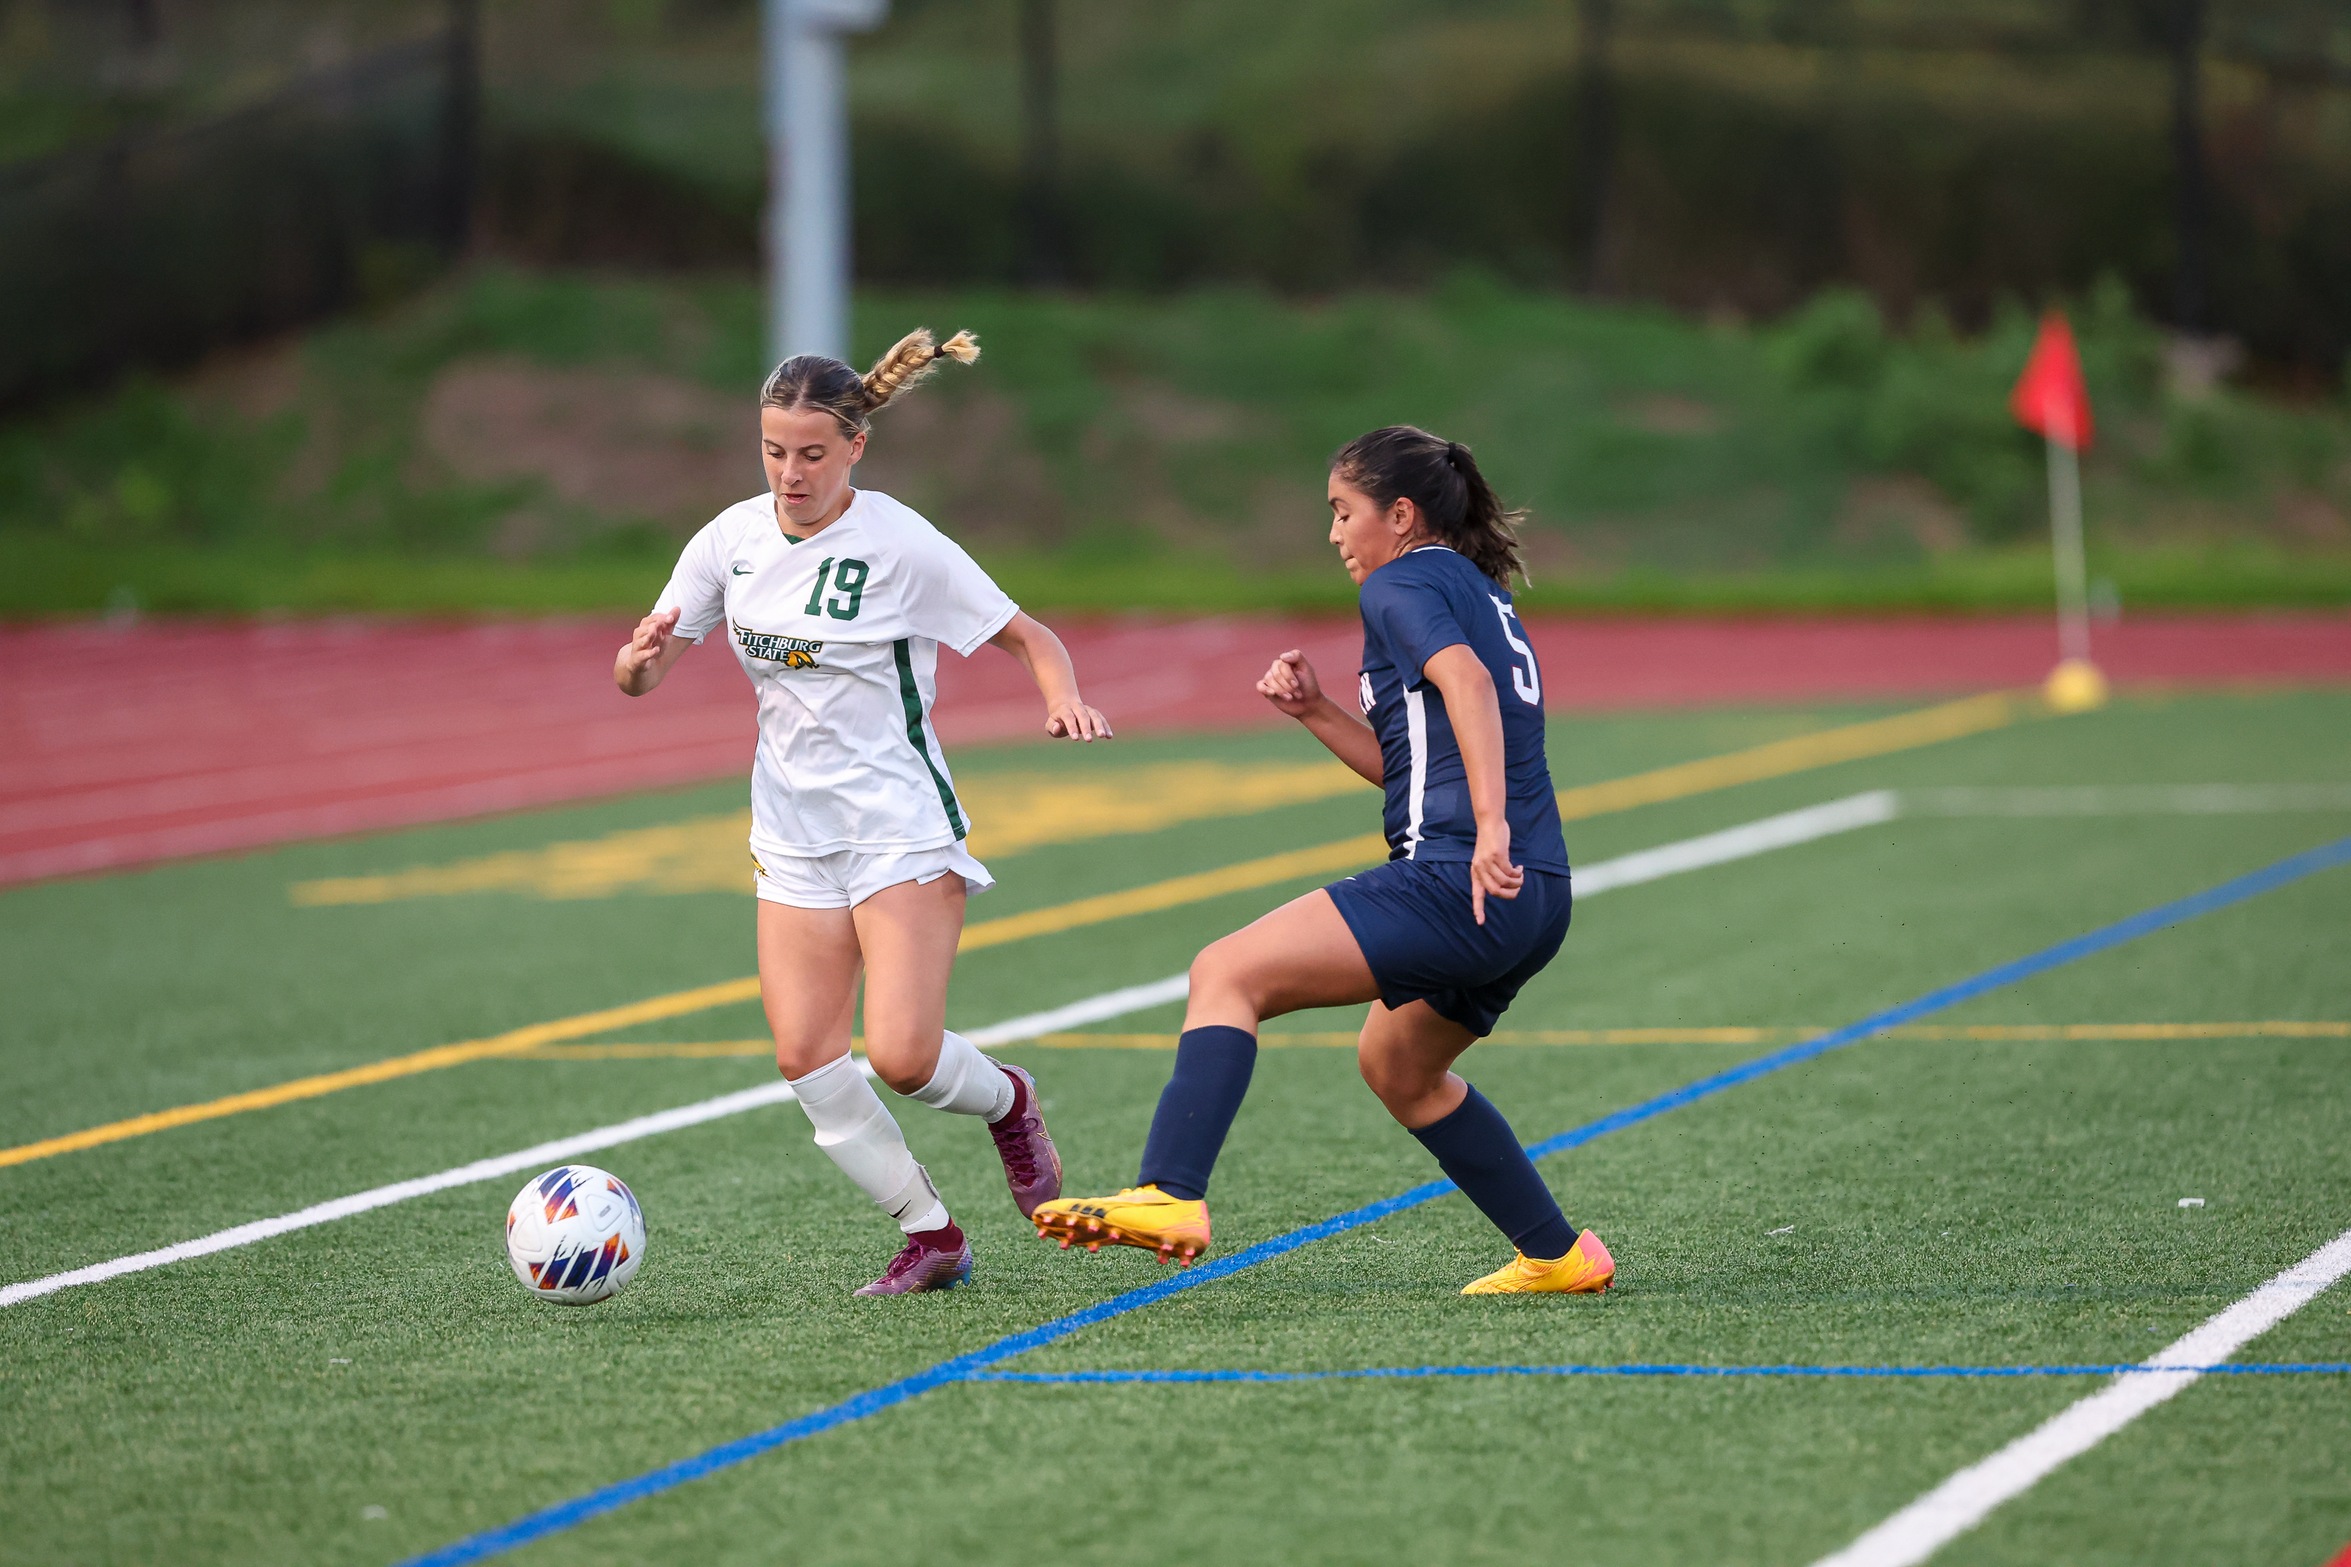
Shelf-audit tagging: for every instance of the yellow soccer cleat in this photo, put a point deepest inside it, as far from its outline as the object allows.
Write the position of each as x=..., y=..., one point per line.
x=1141, y=1216
x=1586, y=1270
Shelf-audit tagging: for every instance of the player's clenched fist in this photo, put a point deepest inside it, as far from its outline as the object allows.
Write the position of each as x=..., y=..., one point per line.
x=642, y=661
x=1291, y=684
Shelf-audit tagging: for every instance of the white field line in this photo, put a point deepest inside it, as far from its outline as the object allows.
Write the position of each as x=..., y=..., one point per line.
x=1963, y=1501
x=1737, y=843
x=2127, y=800
x=1629, y=870
x=560, y=1151
x=1094, y=1009
x=1772, y=832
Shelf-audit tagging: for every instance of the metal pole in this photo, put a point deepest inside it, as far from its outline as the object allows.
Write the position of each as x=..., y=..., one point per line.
x=774, y=32
x=2065, y=528
x=1595, y=144
x=2190, y=203
x=808, y=172
x=461, y=116
x=1040, y=152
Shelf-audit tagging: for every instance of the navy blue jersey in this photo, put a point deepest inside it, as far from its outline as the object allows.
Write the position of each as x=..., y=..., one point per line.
x=1414, y=607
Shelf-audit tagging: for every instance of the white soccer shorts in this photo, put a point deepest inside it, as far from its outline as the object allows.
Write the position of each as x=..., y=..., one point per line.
x=844, y=879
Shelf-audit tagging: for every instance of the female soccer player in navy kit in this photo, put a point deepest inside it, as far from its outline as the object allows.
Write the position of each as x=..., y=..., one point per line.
x=1473, y=900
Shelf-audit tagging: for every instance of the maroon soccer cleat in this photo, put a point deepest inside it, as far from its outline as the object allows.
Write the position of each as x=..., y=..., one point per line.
x=936, y=1259
x=1031, y=1166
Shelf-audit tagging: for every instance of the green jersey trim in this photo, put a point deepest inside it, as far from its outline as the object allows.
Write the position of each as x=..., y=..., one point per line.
x=911, y=695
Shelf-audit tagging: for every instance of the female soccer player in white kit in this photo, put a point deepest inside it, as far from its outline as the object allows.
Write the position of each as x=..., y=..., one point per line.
x=837, y=601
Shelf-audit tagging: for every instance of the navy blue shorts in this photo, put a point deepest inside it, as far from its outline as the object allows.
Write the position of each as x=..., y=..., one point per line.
x=1412, y=920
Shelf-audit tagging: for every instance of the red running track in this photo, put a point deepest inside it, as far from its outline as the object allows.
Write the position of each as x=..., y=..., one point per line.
x=122, y=745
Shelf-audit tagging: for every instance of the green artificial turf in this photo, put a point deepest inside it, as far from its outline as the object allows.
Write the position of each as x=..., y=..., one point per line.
x=1951, y=1203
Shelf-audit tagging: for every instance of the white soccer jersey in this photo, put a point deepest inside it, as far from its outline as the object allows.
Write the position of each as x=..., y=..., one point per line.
x=840, y=634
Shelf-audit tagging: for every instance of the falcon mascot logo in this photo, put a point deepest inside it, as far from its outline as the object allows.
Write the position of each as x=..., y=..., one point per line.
x=769, y=647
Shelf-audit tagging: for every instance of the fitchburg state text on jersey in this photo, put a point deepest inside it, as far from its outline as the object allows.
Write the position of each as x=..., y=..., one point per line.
x=840, y=634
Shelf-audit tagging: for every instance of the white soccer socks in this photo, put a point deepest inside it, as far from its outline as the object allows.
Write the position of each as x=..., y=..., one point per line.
x=967, y=1082
x=857, y=1133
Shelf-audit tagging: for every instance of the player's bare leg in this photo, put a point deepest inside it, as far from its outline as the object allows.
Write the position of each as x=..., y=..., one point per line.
x=1300, y=955
x=909, y=933
x=1406, y=1056
x=808, y=969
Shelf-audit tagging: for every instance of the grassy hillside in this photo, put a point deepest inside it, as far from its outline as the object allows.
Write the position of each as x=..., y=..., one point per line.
x=534, y=441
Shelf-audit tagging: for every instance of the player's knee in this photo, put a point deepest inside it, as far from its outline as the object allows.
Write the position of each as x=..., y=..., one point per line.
x=1392, y=1082
x=902, y=1075
x=796, y=1060
x=1220, y=969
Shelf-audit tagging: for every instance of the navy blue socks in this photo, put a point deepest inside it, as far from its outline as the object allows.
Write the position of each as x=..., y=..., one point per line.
x=1478, y=1151
x=1474, y=1145
x=1197, y=1107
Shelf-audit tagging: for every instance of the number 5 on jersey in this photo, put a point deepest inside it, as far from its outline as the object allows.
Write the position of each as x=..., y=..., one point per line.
x=849, y=579
x=1527, y=682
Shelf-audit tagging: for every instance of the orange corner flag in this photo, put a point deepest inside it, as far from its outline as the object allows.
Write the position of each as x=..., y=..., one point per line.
x=2050, y=399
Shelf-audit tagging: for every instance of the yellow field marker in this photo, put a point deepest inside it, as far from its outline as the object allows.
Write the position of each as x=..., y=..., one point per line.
x=1800, y=753
x=1324, y=859
x=1970, y=715
x=2097, y=1033
x=1016, y=812
x=1778, y=759
x=515, y=1042
x=1332, y=1039
x=700, y=1049
x=2124, y=1033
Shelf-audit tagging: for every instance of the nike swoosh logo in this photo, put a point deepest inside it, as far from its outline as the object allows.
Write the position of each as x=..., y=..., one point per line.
x=742, y=571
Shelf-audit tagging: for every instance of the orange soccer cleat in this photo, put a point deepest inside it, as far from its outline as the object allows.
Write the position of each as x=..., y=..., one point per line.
x=1142, y=1216
x=1585, y=1270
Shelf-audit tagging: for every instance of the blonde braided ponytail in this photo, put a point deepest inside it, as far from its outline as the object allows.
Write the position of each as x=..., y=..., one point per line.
x=815, y=381
x=911, y=360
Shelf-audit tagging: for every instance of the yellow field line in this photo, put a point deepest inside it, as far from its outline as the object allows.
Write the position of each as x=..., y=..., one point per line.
x=2101, y=1033
x=1325, y=859
x=1851, y=742
x=1970, y=715
x=2276, y=1028
x=1800, y=753
x=691, y=1050
x=2106, y=1033
x=511, y=1043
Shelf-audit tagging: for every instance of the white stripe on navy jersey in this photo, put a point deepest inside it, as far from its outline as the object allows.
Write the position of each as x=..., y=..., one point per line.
x=1416, y=727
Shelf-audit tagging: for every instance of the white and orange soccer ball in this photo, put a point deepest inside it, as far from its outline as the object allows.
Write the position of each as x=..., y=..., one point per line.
x=575, y=1235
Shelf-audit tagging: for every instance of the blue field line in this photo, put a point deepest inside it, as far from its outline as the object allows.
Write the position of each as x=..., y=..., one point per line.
x=2251, y=885
x=1395, y=1373
x=964, y=1368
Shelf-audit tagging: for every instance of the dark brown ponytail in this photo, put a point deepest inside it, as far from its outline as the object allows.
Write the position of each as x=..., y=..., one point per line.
x=1442, y=479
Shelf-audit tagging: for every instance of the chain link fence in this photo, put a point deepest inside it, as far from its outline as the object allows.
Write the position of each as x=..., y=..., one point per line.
x=157, y=245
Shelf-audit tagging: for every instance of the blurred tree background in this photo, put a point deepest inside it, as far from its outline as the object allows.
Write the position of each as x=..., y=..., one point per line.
x=428, y=304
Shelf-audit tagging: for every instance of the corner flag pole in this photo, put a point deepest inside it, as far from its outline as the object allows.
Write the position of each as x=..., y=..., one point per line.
x=2052, y=400
x=2065, y=530
x=808, y=171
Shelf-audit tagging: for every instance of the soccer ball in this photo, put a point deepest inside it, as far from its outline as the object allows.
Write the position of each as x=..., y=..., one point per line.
x=575, y=1235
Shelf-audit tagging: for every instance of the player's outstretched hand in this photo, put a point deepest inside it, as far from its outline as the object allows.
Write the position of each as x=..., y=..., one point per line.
x=1292, y=685
x=1491, y=875
x=643, y=653
x=1074, y=720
